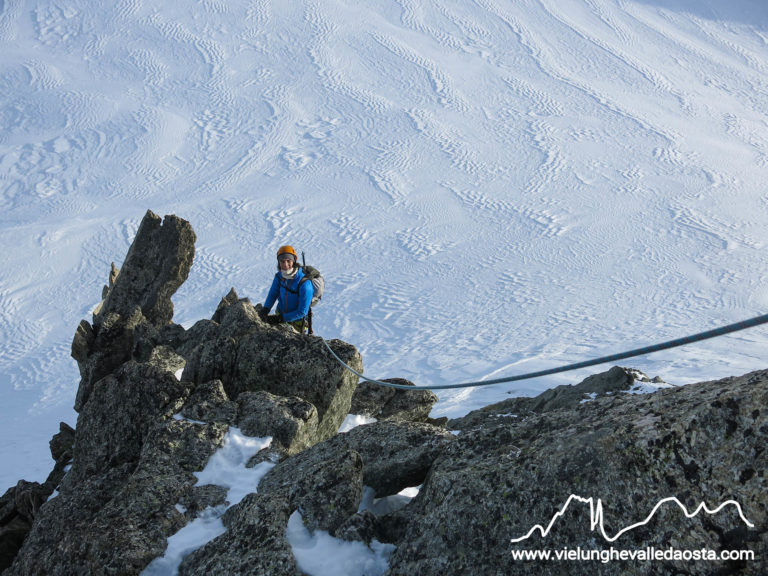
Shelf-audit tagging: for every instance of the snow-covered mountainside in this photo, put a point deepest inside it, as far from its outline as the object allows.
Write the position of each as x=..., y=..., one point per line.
x=489, y=187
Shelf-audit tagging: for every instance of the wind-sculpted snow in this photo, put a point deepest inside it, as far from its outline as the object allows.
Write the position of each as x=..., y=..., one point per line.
x=488, y=187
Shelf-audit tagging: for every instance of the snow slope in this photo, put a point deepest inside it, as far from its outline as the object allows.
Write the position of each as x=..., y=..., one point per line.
x=489, y=187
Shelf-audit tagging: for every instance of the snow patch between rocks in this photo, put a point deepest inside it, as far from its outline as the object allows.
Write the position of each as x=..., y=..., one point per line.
x=320, y=554
x=355, y=420
x=225, y=468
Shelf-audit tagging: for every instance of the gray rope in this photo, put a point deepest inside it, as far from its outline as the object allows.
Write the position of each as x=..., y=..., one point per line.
x=752, y=322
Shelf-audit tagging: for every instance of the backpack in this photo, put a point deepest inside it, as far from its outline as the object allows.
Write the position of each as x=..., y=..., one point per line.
x=313, y=275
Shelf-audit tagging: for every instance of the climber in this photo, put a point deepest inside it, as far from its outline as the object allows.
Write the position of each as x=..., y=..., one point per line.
x=293, y=296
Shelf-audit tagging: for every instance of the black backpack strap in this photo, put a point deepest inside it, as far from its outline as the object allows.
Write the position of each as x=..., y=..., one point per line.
x=304, y=279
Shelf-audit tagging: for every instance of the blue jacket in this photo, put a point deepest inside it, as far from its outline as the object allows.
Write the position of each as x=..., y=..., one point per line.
x=292, y=300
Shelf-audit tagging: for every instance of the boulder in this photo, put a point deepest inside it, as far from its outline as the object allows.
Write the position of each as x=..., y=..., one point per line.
x=395, y=455
x=253, y=545
x=210, y=403
x=61, y=444
x=384, y=403
x=291, y=421
x=248, y=355
x=327, y=488
x=121, y=409
x=325, y=482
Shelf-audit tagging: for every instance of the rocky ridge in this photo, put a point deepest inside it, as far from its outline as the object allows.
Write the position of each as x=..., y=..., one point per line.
x=155, y=402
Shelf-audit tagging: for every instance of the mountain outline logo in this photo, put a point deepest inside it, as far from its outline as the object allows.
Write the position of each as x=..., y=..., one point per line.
x=596, y=516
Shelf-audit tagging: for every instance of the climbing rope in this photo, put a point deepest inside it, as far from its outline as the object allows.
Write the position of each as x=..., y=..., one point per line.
x=756, y=321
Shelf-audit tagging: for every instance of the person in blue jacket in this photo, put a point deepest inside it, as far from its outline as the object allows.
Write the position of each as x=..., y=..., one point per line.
x=293, y=296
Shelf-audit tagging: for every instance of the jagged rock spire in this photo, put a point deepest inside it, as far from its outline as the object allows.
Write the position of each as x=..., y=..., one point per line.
x=158, y=262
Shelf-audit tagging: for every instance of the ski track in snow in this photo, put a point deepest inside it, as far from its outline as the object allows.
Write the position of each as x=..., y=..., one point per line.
x=488, y=187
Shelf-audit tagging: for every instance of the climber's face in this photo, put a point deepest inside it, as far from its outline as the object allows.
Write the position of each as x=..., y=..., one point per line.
x=285, y=263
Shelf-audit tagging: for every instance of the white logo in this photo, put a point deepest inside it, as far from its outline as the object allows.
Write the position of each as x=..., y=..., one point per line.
x=596, y=516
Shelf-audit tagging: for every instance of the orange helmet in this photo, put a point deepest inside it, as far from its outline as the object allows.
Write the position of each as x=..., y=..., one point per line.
x=287, y=250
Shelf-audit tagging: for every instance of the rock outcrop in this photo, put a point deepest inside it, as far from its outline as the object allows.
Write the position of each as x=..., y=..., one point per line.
x=158, y=262
x=614, y=381
x=385, y=403
x=135, y=315
x=157, y=401
x=237, y=348
x=506, y=473
x=142, y=432
x=20, y=504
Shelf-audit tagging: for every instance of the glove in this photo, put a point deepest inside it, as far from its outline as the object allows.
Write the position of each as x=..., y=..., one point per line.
x=274, y=320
